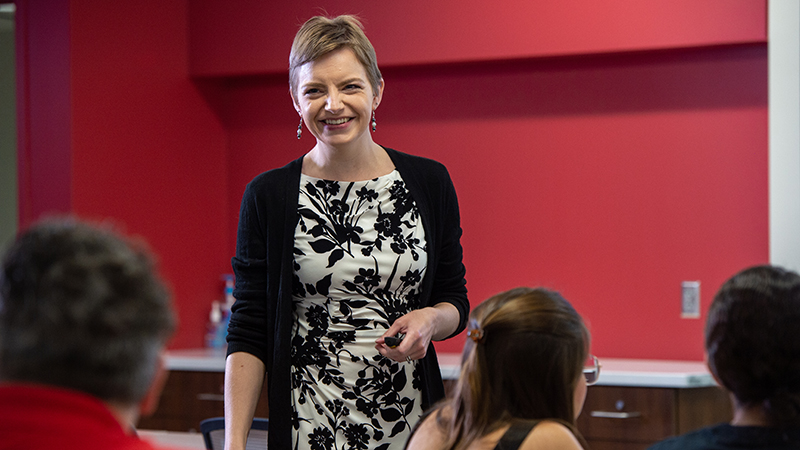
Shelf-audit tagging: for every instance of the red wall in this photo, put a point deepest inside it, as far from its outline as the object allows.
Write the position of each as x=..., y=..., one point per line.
x=608, y=174
x=246, y=37
x=43, y=109
x=610, y=178
x=608, y=151
x=136, y=143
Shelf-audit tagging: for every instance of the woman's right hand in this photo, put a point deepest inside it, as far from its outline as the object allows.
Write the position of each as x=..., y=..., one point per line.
x=419, y=326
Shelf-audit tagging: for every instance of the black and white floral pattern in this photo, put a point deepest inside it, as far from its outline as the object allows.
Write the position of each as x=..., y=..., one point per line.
x=359, y=262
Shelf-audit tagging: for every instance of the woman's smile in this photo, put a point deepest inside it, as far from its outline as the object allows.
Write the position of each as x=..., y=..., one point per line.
x=335, y=122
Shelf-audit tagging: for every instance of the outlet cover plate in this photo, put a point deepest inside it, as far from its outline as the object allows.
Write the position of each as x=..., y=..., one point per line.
x=690, y=300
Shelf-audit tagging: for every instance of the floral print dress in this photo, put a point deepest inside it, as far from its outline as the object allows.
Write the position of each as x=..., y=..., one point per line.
x=359, y=259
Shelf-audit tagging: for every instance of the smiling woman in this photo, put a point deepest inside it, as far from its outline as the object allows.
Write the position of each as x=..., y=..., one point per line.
x=336, y=251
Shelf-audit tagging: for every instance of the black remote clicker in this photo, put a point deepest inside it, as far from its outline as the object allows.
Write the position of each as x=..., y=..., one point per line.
x=393, y=341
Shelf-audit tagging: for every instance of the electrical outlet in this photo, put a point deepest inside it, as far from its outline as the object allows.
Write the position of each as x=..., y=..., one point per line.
x=690, y=300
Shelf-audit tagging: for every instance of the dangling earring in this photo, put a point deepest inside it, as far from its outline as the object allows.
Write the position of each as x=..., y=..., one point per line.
x=300, y=128
x=374, y=123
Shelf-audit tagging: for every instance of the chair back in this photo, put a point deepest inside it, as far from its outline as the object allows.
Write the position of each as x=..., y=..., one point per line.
x=213, y=430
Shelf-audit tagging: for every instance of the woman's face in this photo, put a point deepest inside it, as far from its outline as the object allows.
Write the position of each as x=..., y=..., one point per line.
x=335, y=98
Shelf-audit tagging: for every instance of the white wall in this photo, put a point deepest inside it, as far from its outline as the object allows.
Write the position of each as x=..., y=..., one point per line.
x=784, y=133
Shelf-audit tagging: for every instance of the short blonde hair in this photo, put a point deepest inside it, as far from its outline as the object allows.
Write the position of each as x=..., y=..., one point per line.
x=321, y=35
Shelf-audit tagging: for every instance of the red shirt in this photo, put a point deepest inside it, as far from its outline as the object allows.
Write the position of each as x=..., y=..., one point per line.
x=37, y=417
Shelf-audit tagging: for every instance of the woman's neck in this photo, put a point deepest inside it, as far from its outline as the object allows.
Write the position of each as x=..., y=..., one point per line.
x=347, y=163
x=749, y=416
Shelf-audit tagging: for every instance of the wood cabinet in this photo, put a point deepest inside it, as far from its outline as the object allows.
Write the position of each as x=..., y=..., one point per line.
x=191, y=396
x=637, y=403
x=633, y=418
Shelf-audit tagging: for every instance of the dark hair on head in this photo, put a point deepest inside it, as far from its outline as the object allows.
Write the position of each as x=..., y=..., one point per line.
x=752, y=343
x=83, y=309
x=321, y=35
x=527, y=355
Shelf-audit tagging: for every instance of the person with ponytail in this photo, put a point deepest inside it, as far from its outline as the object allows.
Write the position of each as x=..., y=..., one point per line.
x=753, y=351
x=523, y=379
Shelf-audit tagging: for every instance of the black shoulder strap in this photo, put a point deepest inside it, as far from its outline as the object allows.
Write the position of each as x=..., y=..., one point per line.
x=514, y=436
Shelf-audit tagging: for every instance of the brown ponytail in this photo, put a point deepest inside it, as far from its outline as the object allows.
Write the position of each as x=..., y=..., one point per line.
x=522, y=360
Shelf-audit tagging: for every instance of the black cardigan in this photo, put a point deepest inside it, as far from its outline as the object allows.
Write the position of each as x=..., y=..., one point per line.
x=261, y=317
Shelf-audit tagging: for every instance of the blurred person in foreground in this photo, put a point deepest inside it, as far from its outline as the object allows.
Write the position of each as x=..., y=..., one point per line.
x=753, y=351
x=83, y=323
x=523, y=378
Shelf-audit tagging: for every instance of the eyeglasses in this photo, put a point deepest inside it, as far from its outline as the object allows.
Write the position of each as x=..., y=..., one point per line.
x=591, y=371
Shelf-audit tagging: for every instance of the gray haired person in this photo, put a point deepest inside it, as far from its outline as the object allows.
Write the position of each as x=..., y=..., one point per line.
x=84, y=319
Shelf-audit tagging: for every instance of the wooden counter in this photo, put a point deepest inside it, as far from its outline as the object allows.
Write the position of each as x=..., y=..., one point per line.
x=639, y=402
x=635, y=402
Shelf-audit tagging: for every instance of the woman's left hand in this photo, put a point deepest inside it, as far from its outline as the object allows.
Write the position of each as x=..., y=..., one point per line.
x=419, y=326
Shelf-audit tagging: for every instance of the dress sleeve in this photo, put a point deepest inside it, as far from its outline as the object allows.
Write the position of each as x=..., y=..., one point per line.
x=248, y=331
x=450, y=280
